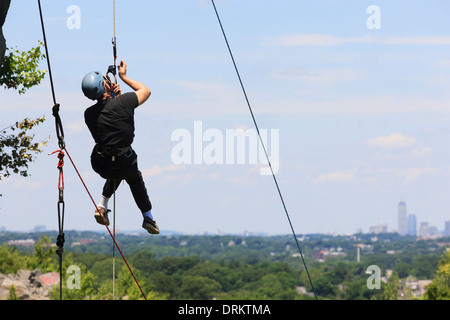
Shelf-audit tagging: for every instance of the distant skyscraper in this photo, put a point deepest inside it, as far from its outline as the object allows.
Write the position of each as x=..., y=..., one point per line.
x=402, y=218
x=447, y=228
x=423, y=230
x=412, y=225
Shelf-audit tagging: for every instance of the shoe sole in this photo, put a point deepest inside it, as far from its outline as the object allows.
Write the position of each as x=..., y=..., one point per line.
x=98, y=218
x=151, y=229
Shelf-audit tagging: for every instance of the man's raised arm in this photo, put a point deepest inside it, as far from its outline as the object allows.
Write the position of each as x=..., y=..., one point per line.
x=142, y=92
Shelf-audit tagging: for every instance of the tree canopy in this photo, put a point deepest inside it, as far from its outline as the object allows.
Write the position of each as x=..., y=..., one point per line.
x=17, y=150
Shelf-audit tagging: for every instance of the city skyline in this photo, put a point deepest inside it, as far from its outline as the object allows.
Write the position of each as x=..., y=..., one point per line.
x=421, y=230
x=402, y=218
x=407, y=224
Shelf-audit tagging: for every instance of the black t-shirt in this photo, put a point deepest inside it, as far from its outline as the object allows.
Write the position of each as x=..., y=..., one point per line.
x=111, y=122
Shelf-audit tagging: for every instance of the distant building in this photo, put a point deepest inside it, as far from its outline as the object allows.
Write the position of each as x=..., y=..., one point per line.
x=423, y=230
x=39, y=228
x=402, y=218
x=433, y=231
x=412, y=225
x=447, y=229
x=22, y=242
x=381, y=228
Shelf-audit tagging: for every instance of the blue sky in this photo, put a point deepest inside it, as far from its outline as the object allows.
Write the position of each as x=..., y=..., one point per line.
x=363, y=114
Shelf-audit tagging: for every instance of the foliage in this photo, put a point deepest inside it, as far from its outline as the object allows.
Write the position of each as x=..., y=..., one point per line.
x=19, y=70
x=16, y=150
x=43, y=256
x=391, y=290
x=200, y=267
x=439, y=289
x=87, y=287
x=12, y=295
x=11, y=260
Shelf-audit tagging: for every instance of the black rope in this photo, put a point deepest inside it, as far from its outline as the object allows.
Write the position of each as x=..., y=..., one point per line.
x=265, y=151
x=60, y=134
x=55, y=109
x=60, y=239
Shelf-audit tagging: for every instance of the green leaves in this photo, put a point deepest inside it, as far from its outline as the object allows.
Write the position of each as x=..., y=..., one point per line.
x=17, y=150
x=439, y=288
x=20, y=71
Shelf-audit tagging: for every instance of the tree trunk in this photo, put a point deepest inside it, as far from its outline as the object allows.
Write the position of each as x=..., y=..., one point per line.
x=4, y=6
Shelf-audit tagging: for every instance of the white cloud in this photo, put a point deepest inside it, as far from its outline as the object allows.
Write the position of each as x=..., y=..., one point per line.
x=413, y=174
x=420, y=41
x=421, y=152
x=211, y=90
x=316, y=76
x=76, y=127
x=336, y=176
x=214, y=176
x=157, y=170
x=395, y=140
x=329, y=103
x=242, y=181
x=24, y=183
x=296, y=40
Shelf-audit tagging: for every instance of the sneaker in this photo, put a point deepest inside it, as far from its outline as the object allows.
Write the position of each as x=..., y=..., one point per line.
x=98, y=216
x=150, y=226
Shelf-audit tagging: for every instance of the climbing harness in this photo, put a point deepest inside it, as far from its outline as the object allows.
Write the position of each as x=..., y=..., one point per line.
x=61, y=152
x=264, y=148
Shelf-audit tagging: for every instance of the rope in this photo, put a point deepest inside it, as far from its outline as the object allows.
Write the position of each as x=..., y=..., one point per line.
x=114, y=204
x=60, y=134
x=109, y=231
x=114, y=17
x=61, y=205
x=262, y=143
x=114, y=248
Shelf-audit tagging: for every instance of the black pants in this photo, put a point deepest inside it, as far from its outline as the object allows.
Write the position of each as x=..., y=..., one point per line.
x=119, y=168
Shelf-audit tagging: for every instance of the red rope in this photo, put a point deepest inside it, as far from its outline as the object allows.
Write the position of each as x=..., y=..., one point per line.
x=123, y=257
x=60, y=168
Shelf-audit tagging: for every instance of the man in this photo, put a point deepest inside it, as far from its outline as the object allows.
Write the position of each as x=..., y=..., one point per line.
x=111, y=123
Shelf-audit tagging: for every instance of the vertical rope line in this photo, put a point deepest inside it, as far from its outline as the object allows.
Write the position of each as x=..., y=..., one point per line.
x=114, y=247
x=114, y=17
x=264, y=148
x=114, y=39
x=60, y=135
x=114, y=199
x=46, y=52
